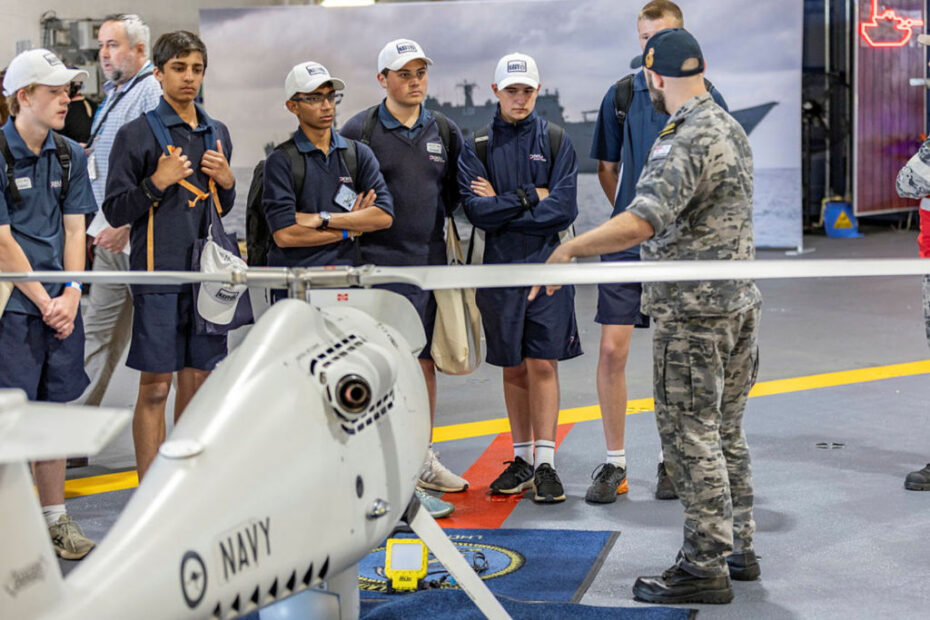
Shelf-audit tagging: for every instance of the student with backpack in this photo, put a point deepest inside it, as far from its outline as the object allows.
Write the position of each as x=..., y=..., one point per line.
x=45, y=195
x=314, y=220
x=165, y=198
x=522, y=198
x=418, y=150
x=627, y=126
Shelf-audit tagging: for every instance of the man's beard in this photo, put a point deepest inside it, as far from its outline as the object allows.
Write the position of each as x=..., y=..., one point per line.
x=658, y=99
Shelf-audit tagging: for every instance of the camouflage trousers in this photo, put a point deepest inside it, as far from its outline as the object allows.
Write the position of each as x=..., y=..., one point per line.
x=703, y=371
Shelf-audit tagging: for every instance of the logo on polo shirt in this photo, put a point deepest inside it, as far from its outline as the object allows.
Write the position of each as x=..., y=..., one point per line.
x=52, y=60
x=316, y=70
x=407, y=48
x=55, y=184
x=516, y=66
x=346, y=180
x=537, y=157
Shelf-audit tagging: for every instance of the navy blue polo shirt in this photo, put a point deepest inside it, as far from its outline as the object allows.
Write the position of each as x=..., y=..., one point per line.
x=421, y=176
x=133, y=159
x=518, y=157
x=325, y=174
x=630, y=145
x=36, y=222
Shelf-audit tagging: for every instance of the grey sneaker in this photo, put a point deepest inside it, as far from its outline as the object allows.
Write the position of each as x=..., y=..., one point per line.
x=664, y=487
x=436, y=507
x=68, y=540
x=437, y=477
x=609, y=482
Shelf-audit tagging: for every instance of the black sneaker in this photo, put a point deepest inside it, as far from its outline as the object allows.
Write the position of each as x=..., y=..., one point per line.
x=918, y=480
x=517, y=477
x=664, y=487
x=609, y=482
x=676, y=585
x=744, y=566
x=548, y=486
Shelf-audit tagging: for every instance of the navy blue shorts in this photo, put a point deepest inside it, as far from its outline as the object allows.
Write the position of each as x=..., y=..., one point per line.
x=516, y=329
x=163, y=336
x=619, y=304
x=32, y=359
x=425, y=304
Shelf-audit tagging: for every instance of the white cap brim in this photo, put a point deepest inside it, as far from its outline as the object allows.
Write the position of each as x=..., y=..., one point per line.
x=517, y=79
x=214, y=310
x=312, y=86
x=399, y=62
x=63, y=76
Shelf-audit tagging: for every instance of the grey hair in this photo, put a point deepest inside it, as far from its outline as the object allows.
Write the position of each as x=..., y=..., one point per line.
x=136, y=29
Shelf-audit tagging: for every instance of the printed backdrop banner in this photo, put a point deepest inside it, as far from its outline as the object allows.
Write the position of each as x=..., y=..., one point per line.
x=753, y=55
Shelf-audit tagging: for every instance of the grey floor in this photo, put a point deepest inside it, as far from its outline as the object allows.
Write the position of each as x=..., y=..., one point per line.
x=838, y=535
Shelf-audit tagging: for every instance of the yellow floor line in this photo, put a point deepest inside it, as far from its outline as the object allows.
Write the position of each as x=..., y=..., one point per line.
x=452, y=432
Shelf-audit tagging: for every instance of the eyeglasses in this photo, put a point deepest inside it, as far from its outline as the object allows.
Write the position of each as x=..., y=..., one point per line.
x=318, y=98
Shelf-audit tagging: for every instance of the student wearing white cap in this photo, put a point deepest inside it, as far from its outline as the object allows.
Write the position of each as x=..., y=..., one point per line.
x=518, y=182
x=45, y=195
x=418, y=150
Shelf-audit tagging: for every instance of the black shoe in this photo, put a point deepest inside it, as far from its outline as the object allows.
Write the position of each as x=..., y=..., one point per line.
x=517, y=477
x=548, y=486
x=664, y=487
x=744, y=566
x=918, y=480
x=609, y=482
x=679, y=586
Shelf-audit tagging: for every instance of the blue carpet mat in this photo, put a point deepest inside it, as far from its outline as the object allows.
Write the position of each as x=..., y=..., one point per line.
x=456, y=604
x=527, y=565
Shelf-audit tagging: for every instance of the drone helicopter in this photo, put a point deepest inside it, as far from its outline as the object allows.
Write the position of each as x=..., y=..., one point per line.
x=327, y=399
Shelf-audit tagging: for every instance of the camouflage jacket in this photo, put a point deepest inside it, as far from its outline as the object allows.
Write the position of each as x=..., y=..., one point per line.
x=914, y=178
x=696, y=192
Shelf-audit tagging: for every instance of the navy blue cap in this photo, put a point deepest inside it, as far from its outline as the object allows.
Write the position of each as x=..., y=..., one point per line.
x=672, y=52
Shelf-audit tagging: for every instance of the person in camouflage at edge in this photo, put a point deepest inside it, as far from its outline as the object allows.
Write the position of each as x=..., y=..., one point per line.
x=914, y=182
x=694, y=202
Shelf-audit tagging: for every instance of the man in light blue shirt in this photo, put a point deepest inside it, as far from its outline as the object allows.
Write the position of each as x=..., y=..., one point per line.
x=131, y=90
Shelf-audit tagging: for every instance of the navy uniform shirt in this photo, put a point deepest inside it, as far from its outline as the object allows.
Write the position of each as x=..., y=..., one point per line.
x=176, y=225
x=518, y=157
x=325, y=174
x=421, y=176
x=630, y=144
x=36, y=222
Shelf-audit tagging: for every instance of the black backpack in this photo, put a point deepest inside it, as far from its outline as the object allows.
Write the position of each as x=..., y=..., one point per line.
x=623, y=96
x=258, y=238
x=62, y=152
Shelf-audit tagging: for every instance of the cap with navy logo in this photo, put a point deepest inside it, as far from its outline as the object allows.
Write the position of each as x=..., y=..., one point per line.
x=397, y=53
x=516, y=69
x=38, y=66
x=674, y=52
x=307, y=77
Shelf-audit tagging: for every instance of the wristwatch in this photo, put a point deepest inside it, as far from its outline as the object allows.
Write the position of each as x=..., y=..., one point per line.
x=324, y=216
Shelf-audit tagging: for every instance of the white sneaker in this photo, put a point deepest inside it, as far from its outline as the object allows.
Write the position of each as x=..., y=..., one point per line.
x=435, y=476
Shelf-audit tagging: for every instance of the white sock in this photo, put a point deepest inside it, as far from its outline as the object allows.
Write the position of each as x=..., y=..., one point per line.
x=524, y=450
x=51, y=513
x=617, y=458
x=545, y=453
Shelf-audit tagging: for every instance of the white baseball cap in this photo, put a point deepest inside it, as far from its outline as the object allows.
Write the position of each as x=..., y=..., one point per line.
x=397, y=53
x=516, y=69
x=307, y=77
x=217, y=302
x=38, y=66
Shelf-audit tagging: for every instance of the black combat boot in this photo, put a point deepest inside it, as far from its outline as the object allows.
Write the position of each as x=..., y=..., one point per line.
x=676, y=585
x=918, y=480
x=744, y=566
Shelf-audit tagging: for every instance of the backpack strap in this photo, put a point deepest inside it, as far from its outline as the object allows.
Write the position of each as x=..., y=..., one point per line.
x=556, y=133
x=445, y=130
x=708, y=85
x=10, y=172
x=480, y=140
x=163, y=136
x=350, y=159
x=298, y=170
x=63, y=152
x=623, y=97
x=371, y=119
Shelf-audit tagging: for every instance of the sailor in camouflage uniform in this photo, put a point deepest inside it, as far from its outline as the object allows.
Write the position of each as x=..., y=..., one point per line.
x=914, y=182
x=694, y=202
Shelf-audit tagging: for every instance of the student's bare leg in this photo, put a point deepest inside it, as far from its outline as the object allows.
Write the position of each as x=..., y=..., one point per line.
x=148, y=421
x=611, y=382
x=517, y=401
x=50, y=481
x=429, y=374
x=543, y=381
x=189, y=381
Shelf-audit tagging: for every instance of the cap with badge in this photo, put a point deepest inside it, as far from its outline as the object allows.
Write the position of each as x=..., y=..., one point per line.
x=307, y=77
x=516, y=69
x=397, y=53
x=216, y=301
x=38, y=66
x=673, y=52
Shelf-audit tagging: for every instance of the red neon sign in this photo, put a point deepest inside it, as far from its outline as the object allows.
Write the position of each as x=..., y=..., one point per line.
x=903, y=26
